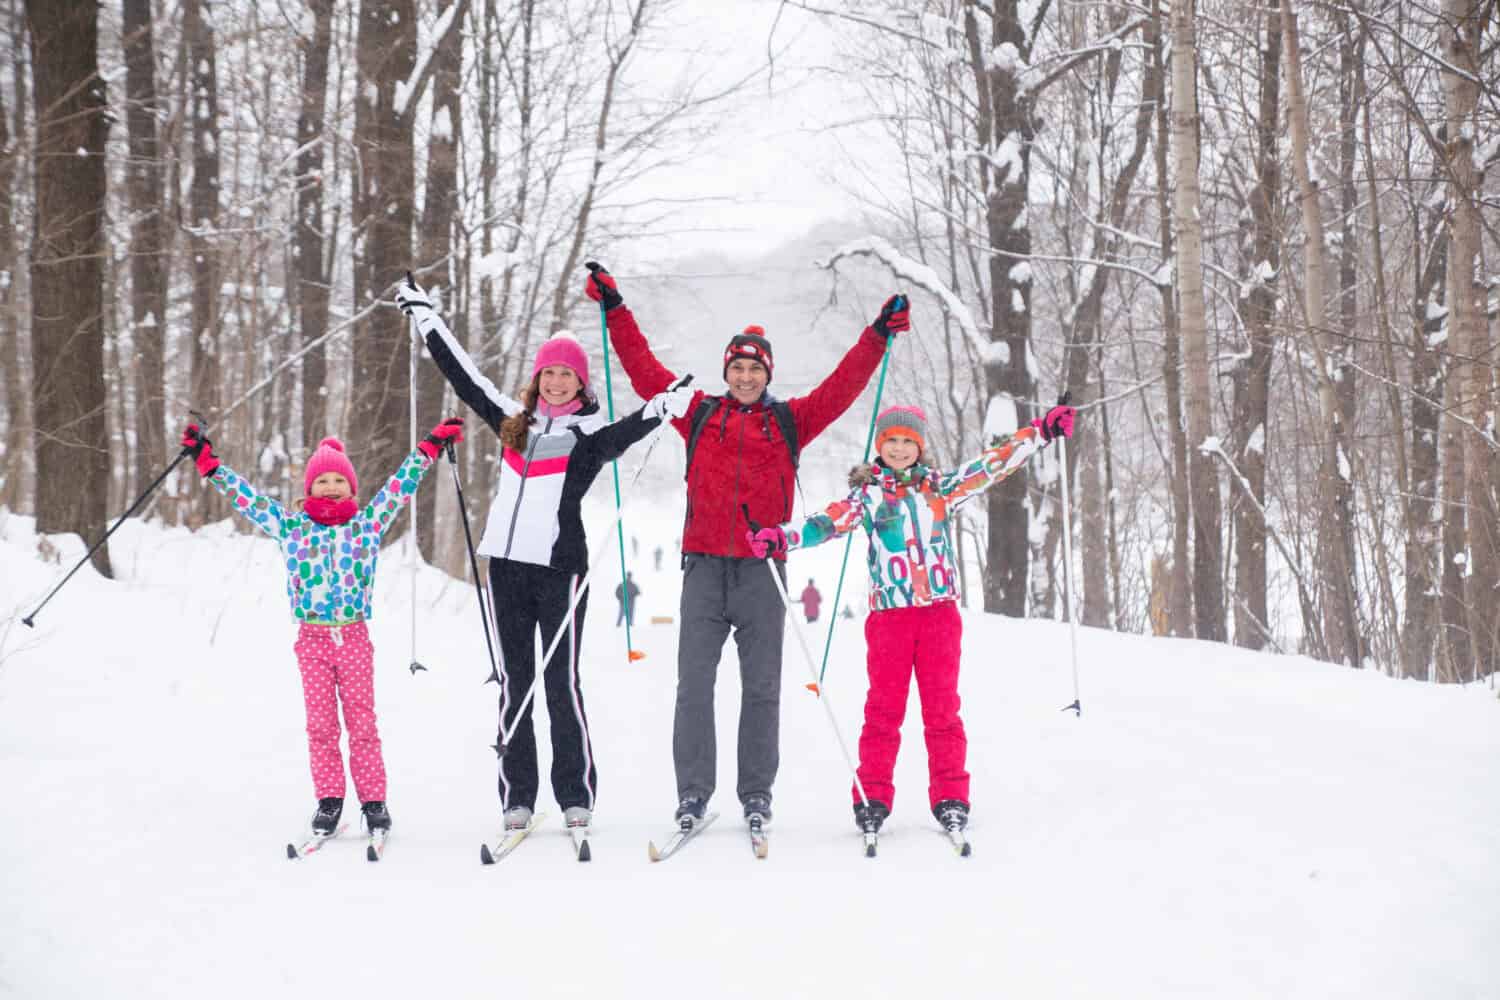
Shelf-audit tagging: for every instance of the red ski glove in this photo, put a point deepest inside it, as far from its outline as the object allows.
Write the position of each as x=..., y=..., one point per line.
x=201, y=448
x=766, y=542
x=895, y=317
x=1057, y=423
x=450, y=431
x=601, y=287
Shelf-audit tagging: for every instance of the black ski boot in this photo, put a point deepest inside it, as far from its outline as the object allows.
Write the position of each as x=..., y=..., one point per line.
x=953, y=814
x=690, y=811
x=758, y=804
x=326, y=820
x=870, y=817
x=376, y=816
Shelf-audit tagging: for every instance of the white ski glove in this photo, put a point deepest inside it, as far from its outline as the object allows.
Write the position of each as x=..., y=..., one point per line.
x=410, y=297
x=672, y=404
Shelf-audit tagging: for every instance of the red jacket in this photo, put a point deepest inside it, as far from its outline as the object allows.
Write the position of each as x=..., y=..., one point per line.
x=741, y=458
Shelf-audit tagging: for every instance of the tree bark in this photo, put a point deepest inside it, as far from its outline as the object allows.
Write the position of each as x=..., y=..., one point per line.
x=1179, y=589
x=203, y=222
x=1252, y=376
x=1461, y=34
x=1005, y=132
x=1208, y=559
x=148, y=258
x=313, y=280
x=67, y=270
x=384, y=195
x=17, y=405
x=440, y=209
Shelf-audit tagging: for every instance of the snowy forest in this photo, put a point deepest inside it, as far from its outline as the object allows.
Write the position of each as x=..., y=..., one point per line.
x=1255, y=243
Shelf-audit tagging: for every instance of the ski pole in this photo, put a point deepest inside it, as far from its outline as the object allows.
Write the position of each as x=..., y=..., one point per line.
x=416, y=556
x=579, y=591
x=28, y=621
x=1062, y=458
x=484, y=618
x=816, y=687
x=786, y=600
x=614, y=468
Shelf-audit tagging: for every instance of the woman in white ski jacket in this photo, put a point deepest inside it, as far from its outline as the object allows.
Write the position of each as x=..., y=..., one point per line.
x=554, y=443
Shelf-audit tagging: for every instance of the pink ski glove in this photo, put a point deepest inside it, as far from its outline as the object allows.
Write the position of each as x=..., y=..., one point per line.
x=766, y=542
x=1057, y=423
x=449, y=431
x=195, y=443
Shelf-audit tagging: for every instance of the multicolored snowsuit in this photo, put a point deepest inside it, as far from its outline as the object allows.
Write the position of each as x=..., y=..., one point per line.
x=915, y=626
x=330, y=574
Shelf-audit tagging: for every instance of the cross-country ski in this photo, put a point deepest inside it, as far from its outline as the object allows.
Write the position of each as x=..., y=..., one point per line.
x=679, y=838
x=508, y=843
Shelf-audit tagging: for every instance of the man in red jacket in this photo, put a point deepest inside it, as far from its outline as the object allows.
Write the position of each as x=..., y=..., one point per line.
x=741, y=461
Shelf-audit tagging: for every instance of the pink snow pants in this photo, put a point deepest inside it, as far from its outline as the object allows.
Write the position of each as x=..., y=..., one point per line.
x=900, y=642
x=338, y=665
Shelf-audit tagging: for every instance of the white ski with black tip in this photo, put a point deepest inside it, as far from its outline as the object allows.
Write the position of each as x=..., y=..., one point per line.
x=679, y=837
x=760, y=841
x=959, y=841
x=580, y=835
x=310, y=844
x=871, y=839
x=512, y=840
x=375, y=848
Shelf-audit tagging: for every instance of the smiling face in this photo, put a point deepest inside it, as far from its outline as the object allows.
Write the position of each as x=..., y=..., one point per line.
x=899, y=453
x=558, y=384
x=331, y=486
x=746, y=379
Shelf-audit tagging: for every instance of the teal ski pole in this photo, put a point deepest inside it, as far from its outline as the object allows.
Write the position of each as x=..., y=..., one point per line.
x=833, y=616
x=614, y=467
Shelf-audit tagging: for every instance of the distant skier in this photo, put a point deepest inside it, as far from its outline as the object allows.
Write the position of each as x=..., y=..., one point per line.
x=553, y=443
x=913, y=626
x=742, y=451
x=330, y=545
x=626, y=594
x=657, y=556
x=811, y=601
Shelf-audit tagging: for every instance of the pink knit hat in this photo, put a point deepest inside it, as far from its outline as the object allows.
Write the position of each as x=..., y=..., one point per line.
x=563, y=349
x=330, y=457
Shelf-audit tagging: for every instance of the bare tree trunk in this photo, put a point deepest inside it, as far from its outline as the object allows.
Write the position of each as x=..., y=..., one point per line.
x=313, y=281
x=12, y=468
x=1463, y=29
x=1252, y=376
x=1005, y=131
x=203, y=209
x=1208, y=559
x=148, y=259
x=67, y=270
x=440, y=209
x=1179, y=590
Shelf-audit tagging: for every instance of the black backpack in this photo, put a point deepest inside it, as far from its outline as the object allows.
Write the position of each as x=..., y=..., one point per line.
x=780, y=409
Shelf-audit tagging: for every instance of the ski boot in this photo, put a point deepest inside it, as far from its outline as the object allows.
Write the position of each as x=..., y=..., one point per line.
x=325, y=821
x=870, y=817
x=953, y=814
x=577, y=816
x=690, y=811
x=758, y=809
x=376, y=817
x=517, y=818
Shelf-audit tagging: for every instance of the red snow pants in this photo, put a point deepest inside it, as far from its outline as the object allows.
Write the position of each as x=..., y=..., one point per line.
x=338, y=666
x=903, y=641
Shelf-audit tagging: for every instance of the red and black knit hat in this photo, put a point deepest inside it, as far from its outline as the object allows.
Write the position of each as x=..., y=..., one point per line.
x=751, y=344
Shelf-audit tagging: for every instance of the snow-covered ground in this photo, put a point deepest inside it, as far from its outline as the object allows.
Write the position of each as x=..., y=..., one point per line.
x=1217, y=823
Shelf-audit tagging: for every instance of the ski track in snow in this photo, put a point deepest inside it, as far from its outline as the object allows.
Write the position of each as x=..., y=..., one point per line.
x=1217, y=823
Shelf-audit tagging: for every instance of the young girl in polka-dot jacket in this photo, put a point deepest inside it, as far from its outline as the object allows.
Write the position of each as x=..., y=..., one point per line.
x=330, y=545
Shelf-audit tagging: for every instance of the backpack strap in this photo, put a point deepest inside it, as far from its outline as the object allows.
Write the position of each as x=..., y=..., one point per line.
x=782, y=411
x=701, y=416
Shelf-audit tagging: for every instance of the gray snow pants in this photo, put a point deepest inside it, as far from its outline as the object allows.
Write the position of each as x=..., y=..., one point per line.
x=718, y=593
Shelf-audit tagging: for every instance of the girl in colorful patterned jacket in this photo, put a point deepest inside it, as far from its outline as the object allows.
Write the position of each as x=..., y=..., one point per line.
x=554, y=442
x=904, y=506
x=330, y=544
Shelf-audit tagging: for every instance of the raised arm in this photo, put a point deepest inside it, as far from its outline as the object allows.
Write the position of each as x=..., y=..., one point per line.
x=836, y=393
x=477, y=392
x=648, y=376
x=398, y=490
x=262, y=511
x=610, y=441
